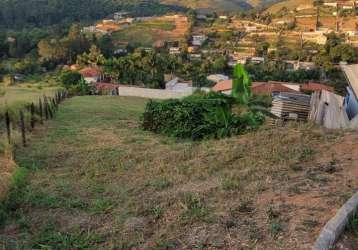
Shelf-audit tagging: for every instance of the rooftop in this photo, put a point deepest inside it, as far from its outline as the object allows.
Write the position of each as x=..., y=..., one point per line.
x=351, y=73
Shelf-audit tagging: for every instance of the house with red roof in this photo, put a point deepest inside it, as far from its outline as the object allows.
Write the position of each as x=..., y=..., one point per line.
x=91, y=74
x=104, y=88
x=258, y=88
x=312, y=87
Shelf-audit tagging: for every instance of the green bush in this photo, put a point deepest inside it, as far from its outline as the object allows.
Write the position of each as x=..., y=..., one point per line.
x=199, y=117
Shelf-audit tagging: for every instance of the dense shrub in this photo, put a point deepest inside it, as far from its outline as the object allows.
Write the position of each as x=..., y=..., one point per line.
x=199, y=117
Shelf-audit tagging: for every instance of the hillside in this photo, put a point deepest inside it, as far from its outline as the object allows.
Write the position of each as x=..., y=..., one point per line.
x=219, y=5
x=98, y=181
x=289, y=4
x=33, y=13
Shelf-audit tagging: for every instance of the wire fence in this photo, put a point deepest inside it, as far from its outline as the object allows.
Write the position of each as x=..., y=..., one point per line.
x=25, y=120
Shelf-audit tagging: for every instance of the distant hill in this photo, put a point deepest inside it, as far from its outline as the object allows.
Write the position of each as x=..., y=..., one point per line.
x=219, y=5
x=289, y=4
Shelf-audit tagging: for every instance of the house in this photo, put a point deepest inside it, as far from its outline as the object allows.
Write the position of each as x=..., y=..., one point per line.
x=258, y=88
x=176, y=85
x=120, y=15
x=331, y=4
x=91, y=74
x=315, y=37
x=217, y=78
x=174, y=51
x=297, y=65
x=198, y=40
x=195, y=57
x=257, y=60
x=89, y=29
x=351, y=100
x=304, y=7
x=120, y=52
x=103, y=88
x=251, y=28
x=313, y=87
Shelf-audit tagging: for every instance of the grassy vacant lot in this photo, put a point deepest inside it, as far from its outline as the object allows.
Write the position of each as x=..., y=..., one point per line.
x=17, y=96
x=98, y=181
x=146, y=33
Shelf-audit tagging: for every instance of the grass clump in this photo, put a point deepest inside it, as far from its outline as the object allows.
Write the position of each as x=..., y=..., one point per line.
x=15, y=195
x=194, y=207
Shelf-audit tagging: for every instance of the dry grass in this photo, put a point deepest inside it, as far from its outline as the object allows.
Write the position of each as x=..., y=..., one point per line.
x=100, y=182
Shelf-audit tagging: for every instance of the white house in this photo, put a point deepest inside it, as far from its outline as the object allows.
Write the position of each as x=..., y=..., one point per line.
x=174, y=50
x=198, y=40
x=177, y=86
x=351, y=100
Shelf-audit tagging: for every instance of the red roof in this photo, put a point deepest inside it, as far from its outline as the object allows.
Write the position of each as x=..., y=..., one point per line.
x=315, y=87
x=223, y=86
x=106, y=86
x=257, y=87
x=90, y=72
x=268, y=88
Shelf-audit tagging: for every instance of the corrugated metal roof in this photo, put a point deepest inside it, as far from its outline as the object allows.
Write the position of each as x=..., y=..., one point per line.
x=351, y=72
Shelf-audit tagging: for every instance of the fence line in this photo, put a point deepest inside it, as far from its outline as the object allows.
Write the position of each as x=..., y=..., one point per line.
x=46, y=107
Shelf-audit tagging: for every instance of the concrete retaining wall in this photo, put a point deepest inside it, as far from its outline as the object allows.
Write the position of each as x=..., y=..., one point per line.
x=152, y=93
x=335, y=227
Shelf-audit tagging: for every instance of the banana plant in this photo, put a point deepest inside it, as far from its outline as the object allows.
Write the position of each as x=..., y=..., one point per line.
x=241, y=86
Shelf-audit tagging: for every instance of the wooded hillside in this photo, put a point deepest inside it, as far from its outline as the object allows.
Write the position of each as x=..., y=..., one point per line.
x=30, y=13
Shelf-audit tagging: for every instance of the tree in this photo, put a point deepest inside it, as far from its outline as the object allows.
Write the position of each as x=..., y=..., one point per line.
x=69, y=78
x=343, y=52
x=105, y=44
x=52, y=51
x=94, y=57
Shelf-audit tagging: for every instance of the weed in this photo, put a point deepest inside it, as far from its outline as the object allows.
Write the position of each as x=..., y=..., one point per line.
x=165, y=244
x=245, y=206
x=307, y=154
x=230, y=184
x=157, y=212
x=102, y=205
x=275, y=228
x=296, y=167
x=50, y=238
x=310, y=223
x=194, y=207
x=331, y=167
x=272, y=212
x=353, y=222
x=15, y=195
x=161, y=183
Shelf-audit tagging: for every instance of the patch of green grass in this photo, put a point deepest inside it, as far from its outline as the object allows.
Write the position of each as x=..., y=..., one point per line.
x=160, y=183
x=157, y=212
x=353, y=222
x=275, y=228
x=49, y=238
x=15, y=194
x=230, y=184
x=194, y=208
x=102, y=205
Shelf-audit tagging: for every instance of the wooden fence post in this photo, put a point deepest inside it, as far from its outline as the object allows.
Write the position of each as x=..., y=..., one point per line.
x=41, y=111
x=54, y=104
x=32, y=119
x=46, y=108
x=8, y=127
x=22, y=127
x=49, y=106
